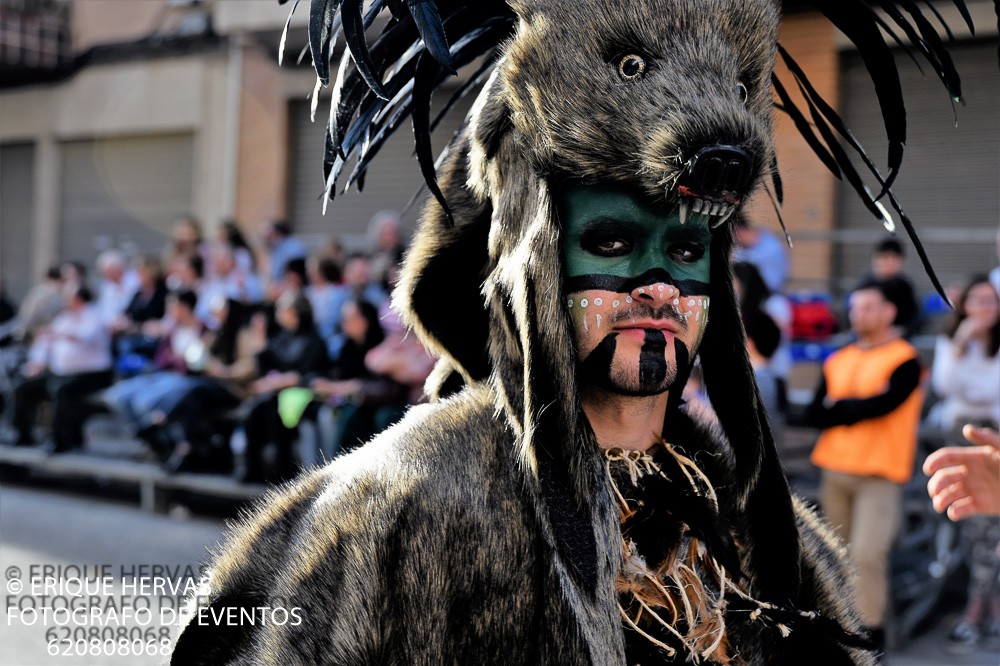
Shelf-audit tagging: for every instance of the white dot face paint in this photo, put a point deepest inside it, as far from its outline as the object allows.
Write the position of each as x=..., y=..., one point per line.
x=598, y=302
x=691, y=303
x=584, y=303
x=570, y=303
x=677, y=301
x=628, y=299
x=616, y=304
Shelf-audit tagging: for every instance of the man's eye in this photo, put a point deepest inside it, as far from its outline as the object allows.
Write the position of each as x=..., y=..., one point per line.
x=687, y=252
x=607, y=247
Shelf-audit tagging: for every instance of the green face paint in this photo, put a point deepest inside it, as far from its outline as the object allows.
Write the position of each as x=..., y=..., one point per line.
x=637, y=288
x=612, y=237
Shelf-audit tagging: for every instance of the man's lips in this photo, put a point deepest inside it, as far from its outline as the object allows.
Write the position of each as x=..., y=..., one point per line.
x=637, y=327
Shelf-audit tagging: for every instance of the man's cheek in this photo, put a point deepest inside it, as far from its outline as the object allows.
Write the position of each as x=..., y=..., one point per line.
x=693, y=310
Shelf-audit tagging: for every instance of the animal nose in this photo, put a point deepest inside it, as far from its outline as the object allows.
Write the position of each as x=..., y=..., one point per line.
x=717, y=169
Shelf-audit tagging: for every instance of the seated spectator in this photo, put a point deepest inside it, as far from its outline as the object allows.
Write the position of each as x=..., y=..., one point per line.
x=150, y=300
x=40, y=306
x=74, y=274
x=357, y=286
x=386, y=238
x=767, y=321
x=116, y=287
x=367, y=402
x=178, y=410
x=66, y=363
x=324, y=274
x=186, y=272
x=227, y=281
x=148, y=304
x=291, y=358
x=186, y=240
x=282, y=247
x=295, y=277
x=7, y=314
x=230, y=235
x=966, y=376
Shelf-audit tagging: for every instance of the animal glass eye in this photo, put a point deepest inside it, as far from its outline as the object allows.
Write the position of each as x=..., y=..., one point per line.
x=742, y=92
x=631, y=67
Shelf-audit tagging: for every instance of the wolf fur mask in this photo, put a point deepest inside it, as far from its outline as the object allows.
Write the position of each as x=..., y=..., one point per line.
x=484, y=527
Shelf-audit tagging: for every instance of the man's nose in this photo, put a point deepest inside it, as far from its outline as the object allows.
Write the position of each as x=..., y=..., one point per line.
x=655, y=292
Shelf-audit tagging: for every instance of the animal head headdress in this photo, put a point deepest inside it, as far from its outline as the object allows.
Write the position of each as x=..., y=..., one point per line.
x=670, y=98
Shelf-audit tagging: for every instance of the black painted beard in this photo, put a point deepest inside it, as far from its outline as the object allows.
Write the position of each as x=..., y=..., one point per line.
x=656, y=374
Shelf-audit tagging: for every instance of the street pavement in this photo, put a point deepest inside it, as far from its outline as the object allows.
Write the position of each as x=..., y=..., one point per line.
x=43, y=526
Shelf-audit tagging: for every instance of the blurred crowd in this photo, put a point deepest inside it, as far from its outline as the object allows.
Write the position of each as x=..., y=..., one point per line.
x=256, y=356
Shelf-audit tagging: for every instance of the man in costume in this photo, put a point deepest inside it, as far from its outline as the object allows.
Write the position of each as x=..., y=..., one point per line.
x=557, y=502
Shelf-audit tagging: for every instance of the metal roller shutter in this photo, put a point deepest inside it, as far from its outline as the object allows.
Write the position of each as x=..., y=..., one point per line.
x=17, y=217
x=124, y=193
x=950, y=181
x=390, y=184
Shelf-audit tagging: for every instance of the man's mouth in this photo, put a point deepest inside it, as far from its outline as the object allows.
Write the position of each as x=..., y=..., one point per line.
x=637, y=328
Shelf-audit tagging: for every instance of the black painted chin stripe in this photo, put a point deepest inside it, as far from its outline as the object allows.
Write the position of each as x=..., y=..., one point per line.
x=620, y=285
x=597, y=365
x=652, y=362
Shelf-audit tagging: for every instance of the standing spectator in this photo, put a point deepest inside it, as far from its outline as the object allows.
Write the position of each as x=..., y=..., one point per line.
x=385, y=236
x=761, y=248
x=282, y=247
x=116, y=288
x=357, y=285
x=966, y=375
x=66, y=363
x=293, y=357
x=868, y=403
x=888, y=257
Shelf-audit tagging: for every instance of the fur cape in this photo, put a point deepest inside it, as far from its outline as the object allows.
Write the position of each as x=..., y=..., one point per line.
x=431, y=545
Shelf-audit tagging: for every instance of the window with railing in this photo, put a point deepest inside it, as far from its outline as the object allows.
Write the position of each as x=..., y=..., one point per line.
x=34, y=34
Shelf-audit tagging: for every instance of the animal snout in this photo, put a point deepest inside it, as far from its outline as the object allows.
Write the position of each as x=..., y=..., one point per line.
x=718, y=172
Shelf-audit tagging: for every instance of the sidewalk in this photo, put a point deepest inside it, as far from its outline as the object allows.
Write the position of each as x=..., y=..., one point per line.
x=931, y=649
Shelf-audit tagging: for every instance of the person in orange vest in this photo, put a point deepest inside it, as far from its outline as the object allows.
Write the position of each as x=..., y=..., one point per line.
x=868, y=405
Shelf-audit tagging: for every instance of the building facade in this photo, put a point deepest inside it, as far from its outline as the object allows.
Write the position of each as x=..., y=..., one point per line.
x=153, y=110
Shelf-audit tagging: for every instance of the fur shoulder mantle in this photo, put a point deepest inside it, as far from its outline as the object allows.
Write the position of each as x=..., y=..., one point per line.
x=428, y=546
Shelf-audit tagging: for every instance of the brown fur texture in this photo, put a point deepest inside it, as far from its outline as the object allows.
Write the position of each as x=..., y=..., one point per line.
x=423, y=548
x=483, y=528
